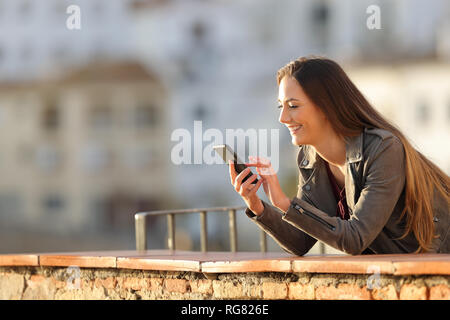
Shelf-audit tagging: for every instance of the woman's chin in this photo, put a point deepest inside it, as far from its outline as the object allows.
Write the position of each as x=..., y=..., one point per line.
x=297, y=141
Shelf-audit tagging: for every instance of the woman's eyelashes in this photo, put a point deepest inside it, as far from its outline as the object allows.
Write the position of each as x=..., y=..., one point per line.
x=291, y=107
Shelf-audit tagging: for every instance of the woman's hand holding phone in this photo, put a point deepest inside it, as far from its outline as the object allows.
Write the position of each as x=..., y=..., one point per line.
x=246, y=189
x=271, y=184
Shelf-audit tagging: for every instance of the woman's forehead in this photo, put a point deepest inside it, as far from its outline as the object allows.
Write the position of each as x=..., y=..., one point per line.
x=289, y=90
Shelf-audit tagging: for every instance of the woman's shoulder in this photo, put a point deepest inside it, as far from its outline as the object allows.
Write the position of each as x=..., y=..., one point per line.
x=374, y=138
x=383, y=134
x=383, y=142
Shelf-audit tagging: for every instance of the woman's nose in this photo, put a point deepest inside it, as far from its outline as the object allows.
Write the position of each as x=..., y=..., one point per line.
x=284, y=116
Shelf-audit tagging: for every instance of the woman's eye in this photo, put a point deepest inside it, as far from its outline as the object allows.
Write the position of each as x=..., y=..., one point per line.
x=292, y=107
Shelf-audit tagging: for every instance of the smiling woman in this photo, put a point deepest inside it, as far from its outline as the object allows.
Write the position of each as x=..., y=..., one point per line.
x=363, y=188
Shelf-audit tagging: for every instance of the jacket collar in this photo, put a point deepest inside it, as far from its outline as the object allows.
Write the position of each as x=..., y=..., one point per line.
x=353, y=152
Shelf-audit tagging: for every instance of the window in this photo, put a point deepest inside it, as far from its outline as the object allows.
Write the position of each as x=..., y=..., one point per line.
x=95, y=158
x=320, y=14
x=53, y=203
x=320, y=23
x=200, y=112
x=145, y=116
x=50, y=117
x=198, y=31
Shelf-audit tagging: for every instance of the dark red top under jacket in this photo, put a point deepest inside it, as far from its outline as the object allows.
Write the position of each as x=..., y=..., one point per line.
x=342, y=208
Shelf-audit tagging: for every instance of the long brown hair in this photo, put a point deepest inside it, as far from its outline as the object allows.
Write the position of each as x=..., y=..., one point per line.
x=331, y=90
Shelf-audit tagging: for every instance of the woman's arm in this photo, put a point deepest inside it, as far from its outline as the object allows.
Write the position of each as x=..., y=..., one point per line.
x=288, y=237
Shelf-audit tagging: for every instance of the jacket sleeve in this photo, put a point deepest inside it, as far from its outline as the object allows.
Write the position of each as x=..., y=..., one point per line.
x=289, y=237
x=384, y=182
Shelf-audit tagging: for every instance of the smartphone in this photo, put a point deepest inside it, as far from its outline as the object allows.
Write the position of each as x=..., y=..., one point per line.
x=228, y=154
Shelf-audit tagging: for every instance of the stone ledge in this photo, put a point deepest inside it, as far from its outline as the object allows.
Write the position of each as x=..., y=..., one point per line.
x=46, y=282
x=227, y=262
x=165, y=274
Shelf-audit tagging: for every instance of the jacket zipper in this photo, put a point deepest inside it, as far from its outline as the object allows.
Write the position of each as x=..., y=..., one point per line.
x=315, y=217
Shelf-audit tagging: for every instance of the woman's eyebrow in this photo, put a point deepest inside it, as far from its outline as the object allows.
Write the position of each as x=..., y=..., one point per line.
x=287, y=100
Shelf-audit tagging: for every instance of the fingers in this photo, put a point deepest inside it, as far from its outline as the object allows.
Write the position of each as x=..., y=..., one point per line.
x=232, y=171
x=248, y=189
x=257, y=163
x=245, y=189
x=262, y=165
x=246, y=185
x=260, y=171
x=236, y=179
x=253, y=190
x=268, y=171
x=240, y=177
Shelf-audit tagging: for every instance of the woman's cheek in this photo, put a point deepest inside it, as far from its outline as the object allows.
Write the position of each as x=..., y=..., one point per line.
x=297, y=116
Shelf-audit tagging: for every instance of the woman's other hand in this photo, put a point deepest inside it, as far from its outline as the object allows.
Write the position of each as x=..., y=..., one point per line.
x=246, y=189
x=270, y=182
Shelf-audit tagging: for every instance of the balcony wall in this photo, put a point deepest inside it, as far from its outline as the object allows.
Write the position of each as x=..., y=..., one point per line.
x=163, y=274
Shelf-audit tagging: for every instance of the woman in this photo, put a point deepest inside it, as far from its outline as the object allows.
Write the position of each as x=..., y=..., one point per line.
x=363, y=188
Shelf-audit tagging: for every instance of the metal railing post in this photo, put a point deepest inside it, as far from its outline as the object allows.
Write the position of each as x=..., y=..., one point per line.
x=204, y=232
x=322, y=247
x=263, y=241
x=232, y=227
x=140, y=228
x=171, y=231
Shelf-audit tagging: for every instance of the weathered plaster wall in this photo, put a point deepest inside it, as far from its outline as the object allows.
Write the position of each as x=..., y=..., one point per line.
x=97, y=283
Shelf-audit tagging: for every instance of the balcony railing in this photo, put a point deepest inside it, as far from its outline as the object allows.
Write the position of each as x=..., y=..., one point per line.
x=141, y=228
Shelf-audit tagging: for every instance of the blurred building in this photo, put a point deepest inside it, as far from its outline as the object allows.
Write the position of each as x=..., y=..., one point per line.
x=35, y=41
x=86, y=152
x=86, y=137
x=416, y=98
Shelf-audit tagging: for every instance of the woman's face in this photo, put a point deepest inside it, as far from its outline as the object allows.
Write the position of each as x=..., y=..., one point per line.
x=306, y=122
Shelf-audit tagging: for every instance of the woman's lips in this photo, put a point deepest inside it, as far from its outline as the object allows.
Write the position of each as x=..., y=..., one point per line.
x=294, y=129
